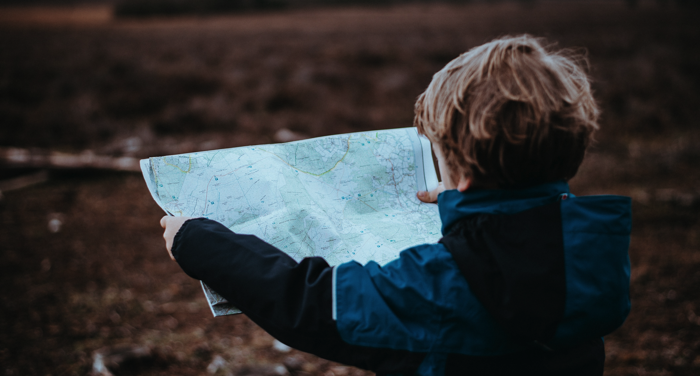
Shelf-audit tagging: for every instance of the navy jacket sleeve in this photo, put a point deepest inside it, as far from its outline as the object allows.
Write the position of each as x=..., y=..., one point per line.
x=291, y=301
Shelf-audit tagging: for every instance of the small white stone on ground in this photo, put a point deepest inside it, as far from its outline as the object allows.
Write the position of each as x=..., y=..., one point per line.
x=285, y=135
x=281, y=347
x=281, y=370
x=216, y=364
x=55, y=225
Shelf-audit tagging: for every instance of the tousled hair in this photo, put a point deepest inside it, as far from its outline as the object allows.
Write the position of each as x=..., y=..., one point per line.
x=510, y=113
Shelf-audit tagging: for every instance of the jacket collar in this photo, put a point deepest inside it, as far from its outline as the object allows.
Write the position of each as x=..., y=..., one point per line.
x=455, y=205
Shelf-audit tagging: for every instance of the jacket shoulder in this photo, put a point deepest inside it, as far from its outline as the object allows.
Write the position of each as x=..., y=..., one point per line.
x=605, y=214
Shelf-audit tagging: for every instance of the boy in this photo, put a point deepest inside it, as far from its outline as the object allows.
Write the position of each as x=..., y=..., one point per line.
x=525, y=281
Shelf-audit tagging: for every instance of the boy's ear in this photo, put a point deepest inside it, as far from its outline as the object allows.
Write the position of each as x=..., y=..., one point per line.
x=464, y=183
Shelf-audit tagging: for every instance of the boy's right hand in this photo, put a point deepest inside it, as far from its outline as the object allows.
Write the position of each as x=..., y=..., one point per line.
x=431, y=196
x=172, y=226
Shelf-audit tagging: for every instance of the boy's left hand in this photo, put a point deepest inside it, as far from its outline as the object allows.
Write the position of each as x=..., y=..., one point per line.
x=171, y=226
x=431, y=196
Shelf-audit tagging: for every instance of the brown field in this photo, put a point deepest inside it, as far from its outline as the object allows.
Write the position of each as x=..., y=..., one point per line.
x=76, y=79
x=56, y=16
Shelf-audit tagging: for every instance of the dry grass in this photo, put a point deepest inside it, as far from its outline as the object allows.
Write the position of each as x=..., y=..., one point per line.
x=56, y=16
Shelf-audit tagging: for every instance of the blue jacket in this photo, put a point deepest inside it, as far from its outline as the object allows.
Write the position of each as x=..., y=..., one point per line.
x=523, y=281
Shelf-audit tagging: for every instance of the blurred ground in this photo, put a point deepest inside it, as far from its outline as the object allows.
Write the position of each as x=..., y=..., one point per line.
x=83, y=266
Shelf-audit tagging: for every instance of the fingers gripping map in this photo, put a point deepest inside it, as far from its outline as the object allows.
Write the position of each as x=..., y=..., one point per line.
x=343, y=197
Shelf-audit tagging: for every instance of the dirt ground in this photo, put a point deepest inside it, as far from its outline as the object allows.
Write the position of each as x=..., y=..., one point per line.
x=82, y=262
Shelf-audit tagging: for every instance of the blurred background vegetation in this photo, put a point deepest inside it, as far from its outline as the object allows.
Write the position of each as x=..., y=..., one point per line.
x=82, y=264
x=154, y=8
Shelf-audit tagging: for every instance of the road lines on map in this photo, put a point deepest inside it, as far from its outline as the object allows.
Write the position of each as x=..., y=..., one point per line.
x=157, y=178
x=394, y=182
x=206, y=194
x=311, y=173
x=189, y=167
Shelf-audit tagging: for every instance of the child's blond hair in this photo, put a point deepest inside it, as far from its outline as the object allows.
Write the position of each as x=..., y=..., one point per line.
x=510, y=113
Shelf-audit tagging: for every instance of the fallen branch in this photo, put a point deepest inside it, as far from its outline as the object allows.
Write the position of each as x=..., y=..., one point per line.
x=44, y=159
x=23, y=181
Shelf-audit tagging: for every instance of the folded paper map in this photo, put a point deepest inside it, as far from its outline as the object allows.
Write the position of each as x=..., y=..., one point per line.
x=343, y=197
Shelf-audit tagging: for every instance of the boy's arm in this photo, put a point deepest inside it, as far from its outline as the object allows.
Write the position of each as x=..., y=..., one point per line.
x=292, y=301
